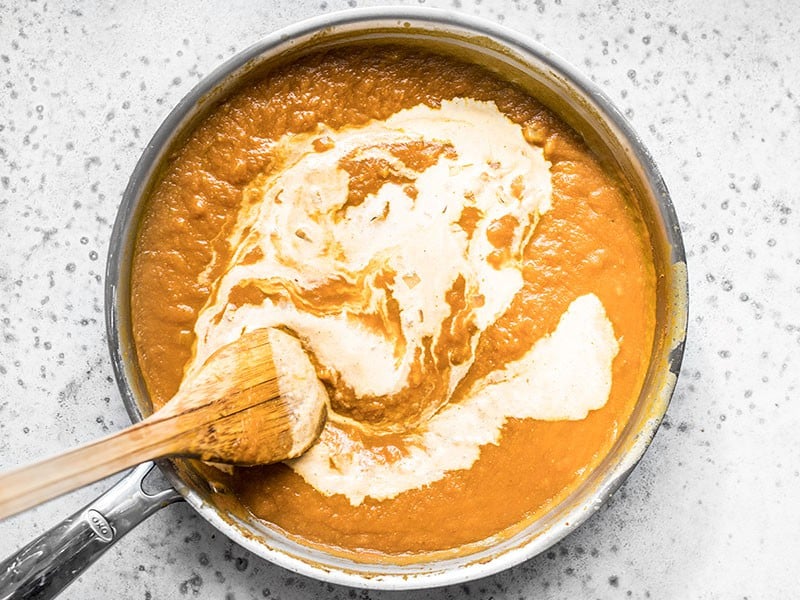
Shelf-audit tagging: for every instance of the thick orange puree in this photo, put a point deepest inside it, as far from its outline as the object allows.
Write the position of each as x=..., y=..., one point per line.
x=592, y=240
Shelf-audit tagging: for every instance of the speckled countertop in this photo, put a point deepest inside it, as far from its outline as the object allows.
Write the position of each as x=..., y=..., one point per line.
x=714, y=90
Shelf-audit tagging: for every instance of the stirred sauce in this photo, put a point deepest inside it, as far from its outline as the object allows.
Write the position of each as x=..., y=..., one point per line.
x=475, y=291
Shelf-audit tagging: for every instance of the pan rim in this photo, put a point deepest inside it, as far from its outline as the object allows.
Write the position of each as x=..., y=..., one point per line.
x=124, y=232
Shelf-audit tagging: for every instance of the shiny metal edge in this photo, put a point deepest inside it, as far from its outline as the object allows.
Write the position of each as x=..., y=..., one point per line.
x=285, y=552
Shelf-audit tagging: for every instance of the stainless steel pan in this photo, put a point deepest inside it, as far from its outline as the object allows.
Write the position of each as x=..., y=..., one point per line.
x=49, y=563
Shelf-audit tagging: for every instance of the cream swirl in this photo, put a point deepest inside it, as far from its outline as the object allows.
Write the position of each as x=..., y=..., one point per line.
x=387, y=249
x=562, y=377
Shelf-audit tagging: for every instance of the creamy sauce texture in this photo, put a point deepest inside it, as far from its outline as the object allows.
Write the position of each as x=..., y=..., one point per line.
x=429, y=254
x=562, y=377
x=471, y=286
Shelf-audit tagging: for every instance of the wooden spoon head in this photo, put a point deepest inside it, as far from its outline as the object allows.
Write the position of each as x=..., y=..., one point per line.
x=254, y=401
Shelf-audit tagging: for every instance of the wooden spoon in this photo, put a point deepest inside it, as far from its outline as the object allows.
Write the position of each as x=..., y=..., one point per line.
x=247, y=405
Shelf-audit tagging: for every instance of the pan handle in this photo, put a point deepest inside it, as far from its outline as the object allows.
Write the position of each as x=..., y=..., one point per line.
x=43, y=568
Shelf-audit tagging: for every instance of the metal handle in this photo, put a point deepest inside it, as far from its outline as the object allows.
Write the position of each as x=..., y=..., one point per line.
x=43, y=568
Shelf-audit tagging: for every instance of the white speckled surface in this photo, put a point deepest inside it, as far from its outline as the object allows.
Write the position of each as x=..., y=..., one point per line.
x=714, y=90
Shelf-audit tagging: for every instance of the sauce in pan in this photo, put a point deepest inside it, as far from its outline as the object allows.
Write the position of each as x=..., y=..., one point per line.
x=474, y=290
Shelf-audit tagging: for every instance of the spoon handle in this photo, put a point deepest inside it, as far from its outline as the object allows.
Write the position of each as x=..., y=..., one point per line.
x=30, y=485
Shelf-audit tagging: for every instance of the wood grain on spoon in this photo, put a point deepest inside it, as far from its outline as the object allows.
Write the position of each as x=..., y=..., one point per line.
x=255, y=401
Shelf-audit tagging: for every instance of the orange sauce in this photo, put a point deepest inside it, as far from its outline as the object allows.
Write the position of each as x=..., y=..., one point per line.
x=591, y=241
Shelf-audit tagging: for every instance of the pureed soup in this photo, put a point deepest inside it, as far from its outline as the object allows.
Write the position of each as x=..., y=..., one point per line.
x=474, y=290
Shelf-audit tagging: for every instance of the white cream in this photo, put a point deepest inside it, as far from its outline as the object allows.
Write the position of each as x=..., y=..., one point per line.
x=562, y=377
x=301, y=233
x=420, y=239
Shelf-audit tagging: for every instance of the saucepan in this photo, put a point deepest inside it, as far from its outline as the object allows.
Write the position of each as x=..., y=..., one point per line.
x=49, y=563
